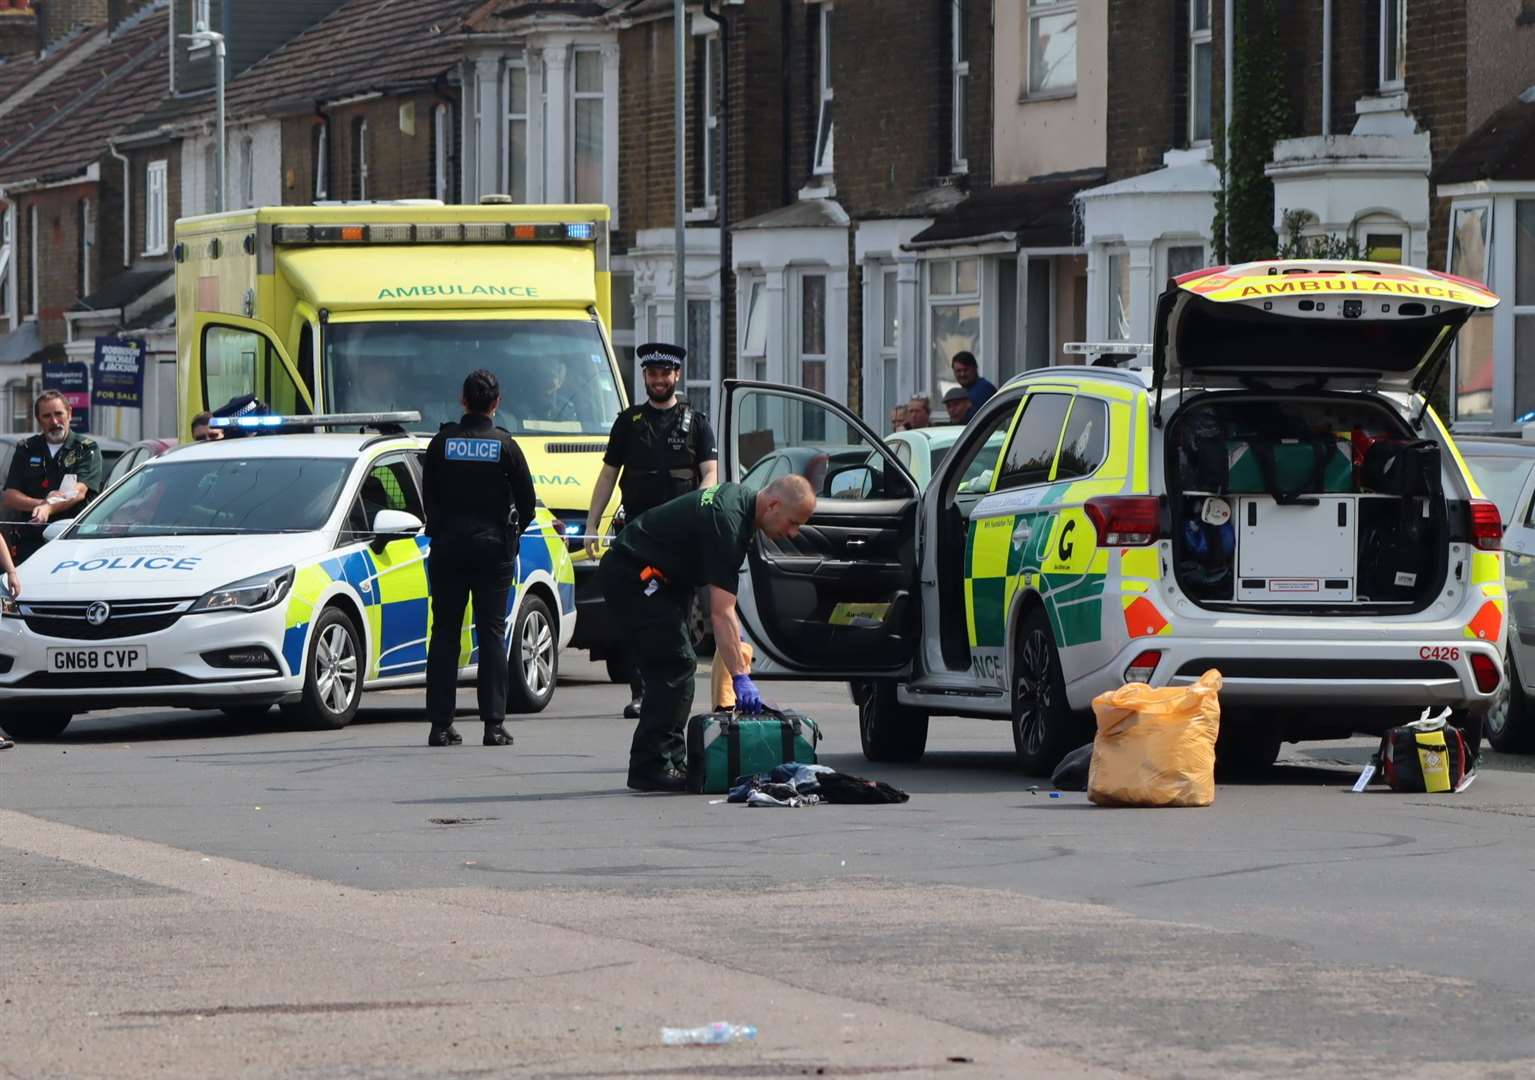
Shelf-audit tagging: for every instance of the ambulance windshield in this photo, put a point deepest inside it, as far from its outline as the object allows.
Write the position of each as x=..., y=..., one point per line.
x=555, y=375
x=220, y=496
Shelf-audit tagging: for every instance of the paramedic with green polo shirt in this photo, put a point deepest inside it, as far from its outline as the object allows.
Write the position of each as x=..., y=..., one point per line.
x=35, y=485
x=655, y=563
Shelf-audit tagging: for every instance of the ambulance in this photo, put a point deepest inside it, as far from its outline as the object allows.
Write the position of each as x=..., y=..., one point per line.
x=363, y=307
x=1273, y=498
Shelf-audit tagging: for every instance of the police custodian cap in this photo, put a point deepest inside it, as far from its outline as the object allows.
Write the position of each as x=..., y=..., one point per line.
x=657, y=352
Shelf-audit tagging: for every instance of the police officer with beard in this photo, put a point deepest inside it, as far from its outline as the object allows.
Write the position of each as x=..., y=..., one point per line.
x=657, y=450
x=479, y=497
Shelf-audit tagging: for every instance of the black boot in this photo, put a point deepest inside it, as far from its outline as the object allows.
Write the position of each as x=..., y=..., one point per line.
x=444, y=736
x=666, y=779
x=496, y=735
x=632, y=710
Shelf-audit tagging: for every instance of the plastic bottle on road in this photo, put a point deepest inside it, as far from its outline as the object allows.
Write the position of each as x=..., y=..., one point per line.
x=715, y=1034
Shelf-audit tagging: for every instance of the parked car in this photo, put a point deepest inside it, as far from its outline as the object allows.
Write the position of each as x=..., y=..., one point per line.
x=277, y=570
x=140, y=452
x=1258, y=502
x=922, y=450
x=1505, y=469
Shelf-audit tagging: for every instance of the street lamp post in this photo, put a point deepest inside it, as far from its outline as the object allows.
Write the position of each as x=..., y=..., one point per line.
x=203, y=36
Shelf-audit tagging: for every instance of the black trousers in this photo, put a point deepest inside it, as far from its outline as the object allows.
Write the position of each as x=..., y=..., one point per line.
x=454, y=574
x=656, y=629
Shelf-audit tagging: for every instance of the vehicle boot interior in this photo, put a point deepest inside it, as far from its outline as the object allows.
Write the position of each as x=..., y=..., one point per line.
x=1305, y=504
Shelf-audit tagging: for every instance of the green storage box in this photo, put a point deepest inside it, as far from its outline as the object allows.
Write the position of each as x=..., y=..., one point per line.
x=1311, y=467
x=725, y=745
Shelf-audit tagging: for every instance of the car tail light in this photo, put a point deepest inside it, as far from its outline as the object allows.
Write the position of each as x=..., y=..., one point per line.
x=1485, y=672
x=1486, y=524
x=1126, y=520
x=1143, y=666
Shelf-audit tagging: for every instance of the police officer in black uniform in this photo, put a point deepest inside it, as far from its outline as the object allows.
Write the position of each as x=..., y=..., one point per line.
x=33, y=487
x=657, y=450
x=479, y=496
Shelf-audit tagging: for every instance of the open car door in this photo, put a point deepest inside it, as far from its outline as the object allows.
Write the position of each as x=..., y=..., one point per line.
x=838, y=600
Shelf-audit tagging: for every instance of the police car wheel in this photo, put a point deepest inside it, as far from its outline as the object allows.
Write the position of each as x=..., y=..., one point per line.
x=1509, y=727
x=35, y=725
x=1249, y=742
x=1044, y=727
x=533, y=668
x=333, y=675
x=888, y=730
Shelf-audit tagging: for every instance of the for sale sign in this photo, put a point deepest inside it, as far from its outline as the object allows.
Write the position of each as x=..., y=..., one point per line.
x=118, y=378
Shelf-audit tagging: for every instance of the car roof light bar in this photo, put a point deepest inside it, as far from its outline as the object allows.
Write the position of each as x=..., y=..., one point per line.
x=387, y=423
x=440, y=232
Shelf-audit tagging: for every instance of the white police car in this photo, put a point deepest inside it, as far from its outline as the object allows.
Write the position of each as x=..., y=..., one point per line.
x=286, y=569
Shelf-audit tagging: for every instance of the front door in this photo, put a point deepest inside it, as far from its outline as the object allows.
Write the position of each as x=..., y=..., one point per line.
x=838, y=601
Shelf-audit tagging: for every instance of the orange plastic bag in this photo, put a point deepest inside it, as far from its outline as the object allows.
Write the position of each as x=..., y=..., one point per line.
x=1156, y=746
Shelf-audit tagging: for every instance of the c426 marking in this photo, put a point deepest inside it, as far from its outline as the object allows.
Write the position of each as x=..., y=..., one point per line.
x=1439, y=652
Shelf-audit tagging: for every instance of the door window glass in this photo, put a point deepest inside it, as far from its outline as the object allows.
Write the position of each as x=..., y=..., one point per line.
x=237, y=361
x=1086, y=439
x=1032, y=452
x=812, y=440
x=1473, y=348
x=978, y=454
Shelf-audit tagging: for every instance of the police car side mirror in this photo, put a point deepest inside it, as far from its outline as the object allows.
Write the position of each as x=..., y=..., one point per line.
x=55, y=529
x=390, y=525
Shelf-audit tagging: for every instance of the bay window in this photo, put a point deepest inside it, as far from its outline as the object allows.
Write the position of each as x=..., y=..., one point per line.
x=812, y=347
x=1118, y=296
x=515, y=167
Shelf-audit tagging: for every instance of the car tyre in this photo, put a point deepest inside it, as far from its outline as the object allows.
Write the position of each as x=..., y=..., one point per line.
x=1044, y=727
x=1509, y=725
x=332, y=674
x=533, y=666
x=35, y=725
x=888, y=730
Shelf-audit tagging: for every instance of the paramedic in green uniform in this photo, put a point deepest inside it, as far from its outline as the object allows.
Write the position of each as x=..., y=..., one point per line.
x=659, y=558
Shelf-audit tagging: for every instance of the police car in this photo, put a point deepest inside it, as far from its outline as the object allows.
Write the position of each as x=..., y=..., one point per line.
x=1273, y=498
x=284, y=569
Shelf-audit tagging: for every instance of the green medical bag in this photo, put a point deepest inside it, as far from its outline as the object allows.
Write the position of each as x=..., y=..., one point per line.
x=1299, y=467
x=725, y=745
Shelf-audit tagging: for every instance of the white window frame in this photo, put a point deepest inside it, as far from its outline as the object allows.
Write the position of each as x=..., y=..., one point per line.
x=824, y=153
x=7, y=262
x=599, y=95
x=795, y=376
x=1033, y=13
x=709, y=122
x=889, y=351
x=156, y=208
x=753, y=287
x=508, y=166
x=87, y=243
x=1399, y=30
x=1197, y=38
x=1111, y=319
x=711, y=378
x=322, y=162
x=360, y=158
x=954, y=298
x=1489, y=419
x=442, y=138
x=34, y=292
x=1516, y=311
x=959, y=87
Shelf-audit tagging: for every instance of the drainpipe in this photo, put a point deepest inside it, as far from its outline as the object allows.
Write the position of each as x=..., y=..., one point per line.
x=1326, y=67
x=127, y=204
x=1230, y=46
x=13, y=318
x=722, y=191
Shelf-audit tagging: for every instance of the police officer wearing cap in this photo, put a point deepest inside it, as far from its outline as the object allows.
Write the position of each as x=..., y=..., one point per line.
x=479, y=496
x=657, y=450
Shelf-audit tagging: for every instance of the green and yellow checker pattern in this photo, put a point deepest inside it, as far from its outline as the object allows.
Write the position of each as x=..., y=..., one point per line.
x=1040, y=539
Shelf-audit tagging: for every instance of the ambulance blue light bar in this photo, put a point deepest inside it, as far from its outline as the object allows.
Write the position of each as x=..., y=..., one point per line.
x=451, y=232
x=386, y=422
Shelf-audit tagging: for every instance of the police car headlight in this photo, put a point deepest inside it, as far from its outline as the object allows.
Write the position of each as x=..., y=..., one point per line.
x=251, y=594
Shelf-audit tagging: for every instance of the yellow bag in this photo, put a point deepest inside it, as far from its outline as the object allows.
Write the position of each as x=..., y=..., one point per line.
x=1156, y=746
x=722, y=693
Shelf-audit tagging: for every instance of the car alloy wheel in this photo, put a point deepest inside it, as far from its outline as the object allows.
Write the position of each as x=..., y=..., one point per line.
x=1033, y=691
x=335, y=660
x=537, y=652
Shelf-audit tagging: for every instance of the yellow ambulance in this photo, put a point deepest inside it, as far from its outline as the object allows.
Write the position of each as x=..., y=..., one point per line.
x=354, y=308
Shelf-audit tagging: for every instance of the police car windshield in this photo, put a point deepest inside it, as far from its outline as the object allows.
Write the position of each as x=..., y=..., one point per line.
x=229, y=495
x=555, y=375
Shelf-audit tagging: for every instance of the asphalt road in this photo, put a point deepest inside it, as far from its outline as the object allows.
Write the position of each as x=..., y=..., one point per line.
x=187, y=896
